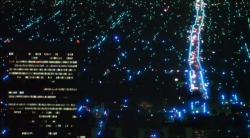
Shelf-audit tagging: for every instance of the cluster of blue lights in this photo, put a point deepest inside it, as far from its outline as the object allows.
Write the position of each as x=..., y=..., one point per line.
x=125, y=104
x=154, y=134
x=101, y=126
x=117, y=39
x=198, y=107
x=4, y=132
x=84, y=108
x=176, y=114
x=233, y=99
x=99, y=112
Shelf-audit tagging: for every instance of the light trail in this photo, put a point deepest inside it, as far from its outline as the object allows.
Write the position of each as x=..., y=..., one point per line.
x=39, y=20
x=196, y=72
x=102, y=38
x=31, y=23
x=247, y=50
x=248, y=21
x=119, y=19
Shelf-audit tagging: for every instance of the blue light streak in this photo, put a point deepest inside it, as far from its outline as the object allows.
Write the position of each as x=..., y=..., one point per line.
x=119, y=20
x=100, y=41
x=4, y=132
x=247, y=50
x=60, y=2
x=192, y=105
x=30, y=24
x=6, y=77
x=204, y=108
x=55, y=15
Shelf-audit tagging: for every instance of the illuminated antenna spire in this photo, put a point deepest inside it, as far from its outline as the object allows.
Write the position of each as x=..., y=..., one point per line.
x=196, y=72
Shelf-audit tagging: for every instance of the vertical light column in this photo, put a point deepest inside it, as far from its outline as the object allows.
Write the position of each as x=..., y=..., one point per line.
x=196, y=72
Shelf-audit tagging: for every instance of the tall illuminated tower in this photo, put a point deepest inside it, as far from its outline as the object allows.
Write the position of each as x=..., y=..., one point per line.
x=196, y=71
